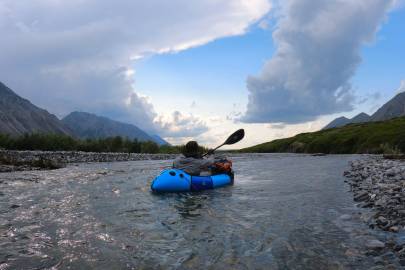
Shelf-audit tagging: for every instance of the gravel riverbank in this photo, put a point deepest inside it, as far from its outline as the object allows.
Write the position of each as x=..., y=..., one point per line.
x=379, y=184
x=34, y=160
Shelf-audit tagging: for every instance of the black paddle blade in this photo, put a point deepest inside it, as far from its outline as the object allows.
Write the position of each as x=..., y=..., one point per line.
x=236, y=137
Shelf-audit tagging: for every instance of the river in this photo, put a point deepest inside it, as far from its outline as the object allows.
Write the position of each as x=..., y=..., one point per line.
x=284, y=212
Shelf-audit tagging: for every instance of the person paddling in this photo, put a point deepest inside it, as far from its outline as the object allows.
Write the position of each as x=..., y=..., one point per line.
x=192, y=161
x=193, y=172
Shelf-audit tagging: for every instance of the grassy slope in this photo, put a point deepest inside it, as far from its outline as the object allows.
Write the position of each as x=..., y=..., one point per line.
x=375, y=137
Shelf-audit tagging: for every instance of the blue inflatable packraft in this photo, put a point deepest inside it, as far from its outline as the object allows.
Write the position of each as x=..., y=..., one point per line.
x=174, y=180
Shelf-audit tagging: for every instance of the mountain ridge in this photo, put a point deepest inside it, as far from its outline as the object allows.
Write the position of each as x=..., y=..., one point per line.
x=88, y=125
x=19, y=116
x=393, y=108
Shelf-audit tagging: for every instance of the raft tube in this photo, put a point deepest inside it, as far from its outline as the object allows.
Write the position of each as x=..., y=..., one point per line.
x=174, y=180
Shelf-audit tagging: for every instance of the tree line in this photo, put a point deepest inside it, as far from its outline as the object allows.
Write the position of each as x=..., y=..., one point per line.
x=58, y=142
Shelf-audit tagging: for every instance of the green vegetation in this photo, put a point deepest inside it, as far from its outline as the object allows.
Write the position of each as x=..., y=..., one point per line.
x=387, y=137
x=55, y=142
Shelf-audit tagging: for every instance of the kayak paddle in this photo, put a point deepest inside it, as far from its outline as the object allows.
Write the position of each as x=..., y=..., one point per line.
x=234, y=138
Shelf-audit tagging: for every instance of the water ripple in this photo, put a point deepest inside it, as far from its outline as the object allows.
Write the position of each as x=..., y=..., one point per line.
x=282, y=213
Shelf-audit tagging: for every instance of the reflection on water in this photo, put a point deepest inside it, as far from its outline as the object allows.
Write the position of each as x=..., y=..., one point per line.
x=284, y=212
x=190, y=205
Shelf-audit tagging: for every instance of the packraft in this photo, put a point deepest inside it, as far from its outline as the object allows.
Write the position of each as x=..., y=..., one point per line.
x=175, y=180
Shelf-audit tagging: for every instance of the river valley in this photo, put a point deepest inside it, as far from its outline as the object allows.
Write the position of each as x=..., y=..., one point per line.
x=285, y=211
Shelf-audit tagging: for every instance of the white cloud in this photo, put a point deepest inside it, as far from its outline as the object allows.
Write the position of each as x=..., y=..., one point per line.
x=277, y=126
x=401, y=87
x=318, y=50
x=77, y=54
x=180, y=125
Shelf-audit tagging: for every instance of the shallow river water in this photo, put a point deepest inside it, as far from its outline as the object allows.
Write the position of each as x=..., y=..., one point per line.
x=284, y=212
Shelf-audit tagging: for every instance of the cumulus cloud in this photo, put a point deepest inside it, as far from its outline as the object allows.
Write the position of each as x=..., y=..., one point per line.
x=318, y=50
x=77, y=54
x=181, y=125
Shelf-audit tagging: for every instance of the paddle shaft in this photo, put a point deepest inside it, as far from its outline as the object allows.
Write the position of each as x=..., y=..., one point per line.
x=234, y=138
x=213, y=150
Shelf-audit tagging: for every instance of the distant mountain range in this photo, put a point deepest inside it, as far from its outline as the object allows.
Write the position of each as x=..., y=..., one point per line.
x=382, y=132
x=19, y=116
x=86, y=125
x=392, y=109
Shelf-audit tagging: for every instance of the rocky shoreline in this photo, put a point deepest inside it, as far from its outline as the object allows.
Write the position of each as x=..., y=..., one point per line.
x=379, y=184
x=35, y=160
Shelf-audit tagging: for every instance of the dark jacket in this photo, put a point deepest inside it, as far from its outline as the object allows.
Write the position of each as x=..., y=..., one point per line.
x=194, y=166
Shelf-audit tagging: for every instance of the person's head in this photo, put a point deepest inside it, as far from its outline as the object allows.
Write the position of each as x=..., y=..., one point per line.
x=191, y=149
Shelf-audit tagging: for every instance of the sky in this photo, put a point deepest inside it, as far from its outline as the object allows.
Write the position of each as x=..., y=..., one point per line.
x=202, y=69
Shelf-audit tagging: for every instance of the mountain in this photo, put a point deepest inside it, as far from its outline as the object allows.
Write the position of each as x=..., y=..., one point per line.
x=343, y=121
x=338, y=122
x=159, y=140
x=364, y=138
x=87, y=125
x=19, y=116
x=360, y=118
x=393, y=108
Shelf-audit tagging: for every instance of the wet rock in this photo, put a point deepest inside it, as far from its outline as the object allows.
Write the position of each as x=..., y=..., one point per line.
x=400, y=252
x=362, y=196
x=388, y=256
x=394, y=229
x=390, y=267
x=382, y=221
x=378, y=267
x=375, y=244
x=352, y=252
x=379, y=261
x=345, y=217
x=401, y=241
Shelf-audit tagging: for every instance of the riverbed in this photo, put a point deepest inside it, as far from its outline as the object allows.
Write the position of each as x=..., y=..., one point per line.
x=285, y=211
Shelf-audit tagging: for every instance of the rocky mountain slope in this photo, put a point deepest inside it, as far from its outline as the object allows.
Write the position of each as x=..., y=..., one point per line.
x=19, y=116
x=360, y=118
x=338, y=122
x=393, y=108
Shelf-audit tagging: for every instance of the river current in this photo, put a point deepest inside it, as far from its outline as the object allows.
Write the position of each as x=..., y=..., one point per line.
x=284, y=212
